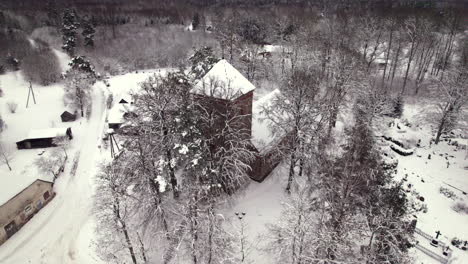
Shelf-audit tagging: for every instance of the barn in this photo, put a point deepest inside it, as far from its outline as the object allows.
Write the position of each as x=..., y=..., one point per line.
x=67, y=117
x=43, y=138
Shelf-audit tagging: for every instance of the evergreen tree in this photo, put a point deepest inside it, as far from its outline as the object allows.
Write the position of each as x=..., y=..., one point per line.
x=82, y=64
x=88, y=32
x=78, y=82
x=202, y=61
x=12, y=62
x=195, y=21
x=398, y=107
x=69, y=26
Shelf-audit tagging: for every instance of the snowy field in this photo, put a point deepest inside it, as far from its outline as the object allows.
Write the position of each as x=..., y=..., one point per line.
x=441, y=182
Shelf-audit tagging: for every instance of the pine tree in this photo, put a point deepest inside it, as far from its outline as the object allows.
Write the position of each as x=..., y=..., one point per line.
x=12, y=62
x=88, y=32
x=202, y=61
x=82, y=64
x=69, y=26
x=398, y=107
x=195, y=21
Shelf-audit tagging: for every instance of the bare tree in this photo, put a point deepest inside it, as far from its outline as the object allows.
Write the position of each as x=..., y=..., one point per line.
x=5, y=154
x=12, y=106
x=297, y=113
x=113, y=207
x=78, y=88
x=52, y=164
x=293, y=239
x=64, y=143
x=450, y=94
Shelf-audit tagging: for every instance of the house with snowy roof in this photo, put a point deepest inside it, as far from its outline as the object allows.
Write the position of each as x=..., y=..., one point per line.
x=43, y=138
x=21, y=196
x=229, y=94
x=119, y=114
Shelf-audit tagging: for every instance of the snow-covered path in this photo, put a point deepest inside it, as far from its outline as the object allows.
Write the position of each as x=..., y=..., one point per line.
x=61, y=232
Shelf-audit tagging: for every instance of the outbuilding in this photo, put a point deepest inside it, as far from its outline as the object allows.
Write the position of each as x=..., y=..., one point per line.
x=21, y=198
x=43, y=138
x=67, y=117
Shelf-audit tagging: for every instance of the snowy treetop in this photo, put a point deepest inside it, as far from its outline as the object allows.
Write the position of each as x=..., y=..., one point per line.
x=223, y=81
x=262, y=135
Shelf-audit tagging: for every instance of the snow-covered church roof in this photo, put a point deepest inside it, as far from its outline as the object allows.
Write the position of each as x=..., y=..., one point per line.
x=223, y=81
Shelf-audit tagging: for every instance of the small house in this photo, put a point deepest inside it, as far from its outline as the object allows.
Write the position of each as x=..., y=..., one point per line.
x=67, y=117
x=119, y=114
x=43, y=138
x=20, y=198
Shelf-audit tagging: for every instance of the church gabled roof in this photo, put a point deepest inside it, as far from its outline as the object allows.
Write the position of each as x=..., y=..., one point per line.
x=223, y=81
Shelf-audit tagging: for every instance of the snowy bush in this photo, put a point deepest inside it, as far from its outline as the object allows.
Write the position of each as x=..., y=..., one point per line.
x=2, y=69
x=12, y=62
x=401, y=151
x=460, y=207
x=109, y=101
x=12, y=106
x=447, y=193
x=2, y=124
x=456, y=242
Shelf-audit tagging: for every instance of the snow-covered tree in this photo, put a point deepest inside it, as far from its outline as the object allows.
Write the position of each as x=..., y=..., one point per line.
x=5, y=154
x=298, y=113
x=163, y=102
x=451, y=96
x=78, y=82
x=202, y=61
x=12, y=106
x=2, y=124
x=114, y=208
x=64, y=143
x=69, y=27
x=12, y=62
x=293, y=238
x=88, y=32
x=52, y=164
x=195, y=21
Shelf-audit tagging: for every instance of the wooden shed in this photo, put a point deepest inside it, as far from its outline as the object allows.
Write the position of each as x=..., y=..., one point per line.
x=43, y=138
x=67, y=117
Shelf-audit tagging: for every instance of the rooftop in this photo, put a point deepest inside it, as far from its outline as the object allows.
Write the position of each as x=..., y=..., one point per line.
x=223, y=81
x=47, y=133
x=23, y=174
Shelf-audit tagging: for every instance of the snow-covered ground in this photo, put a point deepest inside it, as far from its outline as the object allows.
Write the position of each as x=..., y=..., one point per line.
x=262, y=205
x=62, y=231
x=446, y=170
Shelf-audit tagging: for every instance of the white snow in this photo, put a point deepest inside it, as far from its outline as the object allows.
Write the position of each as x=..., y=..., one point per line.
x=47, y=133
x=223, y=81
x=261, y=127
x=117, y=112
x=445, y=169
x=262, y=203
x=62, y=231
